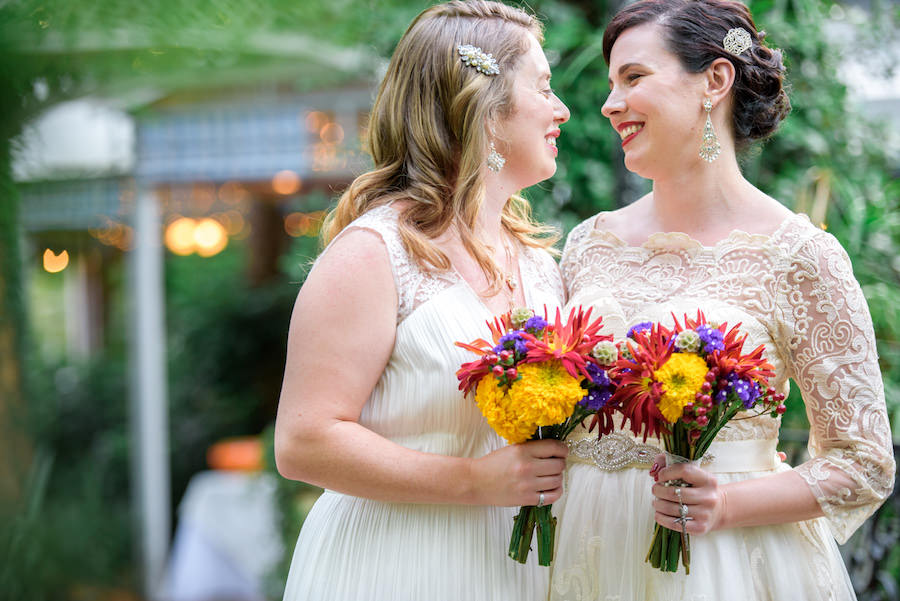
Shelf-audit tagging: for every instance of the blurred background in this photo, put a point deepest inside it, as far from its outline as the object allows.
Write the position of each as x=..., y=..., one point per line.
x=164, y=168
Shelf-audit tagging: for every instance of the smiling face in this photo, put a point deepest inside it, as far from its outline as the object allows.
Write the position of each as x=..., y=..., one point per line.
x=527, y=136
x=654, y=104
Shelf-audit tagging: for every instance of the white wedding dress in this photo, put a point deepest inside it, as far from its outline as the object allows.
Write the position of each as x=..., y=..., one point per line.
x=794, y=292
x=356, y=549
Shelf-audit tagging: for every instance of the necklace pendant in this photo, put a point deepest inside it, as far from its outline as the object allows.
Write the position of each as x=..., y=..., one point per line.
x=511, y=282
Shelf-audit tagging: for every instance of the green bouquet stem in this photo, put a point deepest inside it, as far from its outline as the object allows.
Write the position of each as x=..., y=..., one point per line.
x=529, y=519
x=669, y=547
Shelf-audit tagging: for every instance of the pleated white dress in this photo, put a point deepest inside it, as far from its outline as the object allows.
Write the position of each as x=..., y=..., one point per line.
x=356, y=549
x=795, y=293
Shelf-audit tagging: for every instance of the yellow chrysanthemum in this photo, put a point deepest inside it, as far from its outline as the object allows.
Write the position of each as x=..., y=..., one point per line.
x=495, y=406
x=681, y=376
x=545, y=395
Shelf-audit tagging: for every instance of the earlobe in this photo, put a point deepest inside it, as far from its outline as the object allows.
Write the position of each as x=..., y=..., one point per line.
x=719, y=79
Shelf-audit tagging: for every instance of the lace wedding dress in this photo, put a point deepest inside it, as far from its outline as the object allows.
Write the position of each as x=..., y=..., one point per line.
x=795, y=293
x=356, y=549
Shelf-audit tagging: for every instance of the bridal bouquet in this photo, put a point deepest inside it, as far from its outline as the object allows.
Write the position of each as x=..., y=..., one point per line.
x=683, y=385
x=537, y=379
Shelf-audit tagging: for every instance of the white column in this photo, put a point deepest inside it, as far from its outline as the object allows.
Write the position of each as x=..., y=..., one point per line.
x=75, y=307
x=149, y=415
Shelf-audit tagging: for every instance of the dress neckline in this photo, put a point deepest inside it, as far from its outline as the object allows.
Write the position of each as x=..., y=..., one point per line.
x=681, y=240
x=522, y=284
x=454, y=274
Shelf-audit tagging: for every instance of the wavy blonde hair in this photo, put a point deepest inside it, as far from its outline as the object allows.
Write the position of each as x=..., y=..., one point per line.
x=427, y=133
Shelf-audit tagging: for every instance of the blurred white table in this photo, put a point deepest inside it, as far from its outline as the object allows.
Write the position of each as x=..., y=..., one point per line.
x=227, y=540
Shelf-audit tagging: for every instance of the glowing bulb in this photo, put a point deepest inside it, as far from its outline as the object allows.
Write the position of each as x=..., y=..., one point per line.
x=179, y=236
x=315, y=120
x=209, y=237
x=54, y=263
x=332, y=133
x=286, y=182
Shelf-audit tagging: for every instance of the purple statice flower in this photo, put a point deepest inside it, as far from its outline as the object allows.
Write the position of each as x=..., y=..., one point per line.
x=535, y=325
x=599, y=390
x=711, y=337
x=598, y=375
x=746, y=390
x=512, y=341
x=639, y=327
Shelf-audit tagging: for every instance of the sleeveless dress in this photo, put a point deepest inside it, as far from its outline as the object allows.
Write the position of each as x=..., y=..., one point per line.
x=356, y=549
x=795, y=293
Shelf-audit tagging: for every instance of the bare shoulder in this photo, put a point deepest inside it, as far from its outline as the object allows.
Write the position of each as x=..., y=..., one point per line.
x=766, y=214
x=353, y=272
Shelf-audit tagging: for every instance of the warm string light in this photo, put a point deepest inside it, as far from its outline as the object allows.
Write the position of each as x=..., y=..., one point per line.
x=54, y=263
x=206, y=237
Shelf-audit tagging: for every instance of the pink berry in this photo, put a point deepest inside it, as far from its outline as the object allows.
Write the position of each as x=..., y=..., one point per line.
x=701, y=411
x=702, y=421
x=497, y=370
x=780, y=409
x=504, y=355
x=511, y=373
x=706, y=387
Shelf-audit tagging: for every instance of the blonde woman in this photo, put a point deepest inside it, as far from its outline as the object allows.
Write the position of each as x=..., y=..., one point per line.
x=420, y=493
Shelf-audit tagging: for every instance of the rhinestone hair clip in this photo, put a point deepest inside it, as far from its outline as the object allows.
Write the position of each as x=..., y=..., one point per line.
x=737, y=40
x=473, y=56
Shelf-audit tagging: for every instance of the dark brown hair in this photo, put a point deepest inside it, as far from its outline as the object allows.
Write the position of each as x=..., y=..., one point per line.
x=693, y=31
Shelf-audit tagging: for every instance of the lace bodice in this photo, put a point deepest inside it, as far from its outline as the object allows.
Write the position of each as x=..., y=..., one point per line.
x=794, y=292
x=416, y=286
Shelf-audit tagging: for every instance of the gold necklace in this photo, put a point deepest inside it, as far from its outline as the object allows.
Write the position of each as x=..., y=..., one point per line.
x=509, y=278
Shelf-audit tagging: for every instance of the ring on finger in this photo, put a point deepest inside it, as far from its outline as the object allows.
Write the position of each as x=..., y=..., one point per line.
x=540, y=502
x=678, y=494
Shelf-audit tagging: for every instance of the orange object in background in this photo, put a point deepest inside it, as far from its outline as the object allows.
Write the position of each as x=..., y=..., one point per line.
x=244, y=453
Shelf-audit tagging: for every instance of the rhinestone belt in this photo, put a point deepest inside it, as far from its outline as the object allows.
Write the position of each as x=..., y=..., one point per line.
x=616, y=451
x=612, y=452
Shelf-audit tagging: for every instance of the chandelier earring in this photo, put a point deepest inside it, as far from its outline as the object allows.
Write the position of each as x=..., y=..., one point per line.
x=495, y=160
x=709, y=147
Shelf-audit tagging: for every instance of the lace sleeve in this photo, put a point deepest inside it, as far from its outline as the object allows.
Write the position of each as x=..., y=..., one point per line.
x=830, y=343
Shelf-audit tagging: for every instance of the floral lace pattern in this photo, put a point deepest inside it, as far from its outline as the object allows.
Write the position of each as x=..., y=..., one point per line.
x=794, y=292
x=416, y=286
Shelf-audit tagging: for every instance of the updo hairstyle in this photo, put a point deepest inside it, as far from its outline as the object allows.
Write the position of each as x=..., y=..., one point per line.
x=694, y=31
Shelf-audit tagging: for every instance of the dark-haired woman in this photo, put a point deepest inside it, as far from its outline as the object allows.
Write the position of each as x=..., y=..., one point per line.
x=692, y=83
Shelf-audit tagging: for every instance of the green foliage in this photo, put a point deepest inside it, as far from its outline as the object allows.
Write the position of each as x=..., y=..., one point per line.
x=226, y=346
x=76, y=496
x=226, y=356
